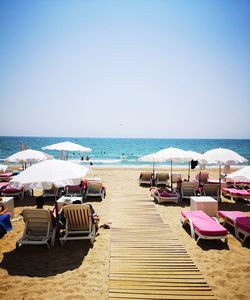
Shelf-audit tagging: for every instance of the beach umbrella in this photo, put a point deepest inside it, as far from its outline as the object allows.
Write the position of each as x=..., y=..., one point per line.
x=222, y=156
x=28, y=156
x=169, y=154
x=67, y=146
x=55, y=172
x=243, y=172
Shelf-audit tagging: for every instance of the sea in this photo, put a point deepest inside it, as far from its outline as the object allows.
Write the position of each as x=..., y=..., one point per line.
x=120, y=152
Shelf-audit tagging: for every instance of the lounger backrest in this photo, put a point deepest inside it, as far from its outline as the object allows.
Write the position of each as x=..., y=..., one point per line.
x=73, y=189
x=162, y=176
x=78, y=216
x=146, y=175
x=176, y=178
x=51, y=192
x=211, y=189
x=94, y=187
x=37, y=221
x=202, y=177
x=188, y=188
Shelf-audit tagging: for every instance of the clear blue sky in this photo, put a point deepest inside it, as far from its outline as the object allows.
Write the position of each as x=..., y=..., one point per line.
x=125, y=68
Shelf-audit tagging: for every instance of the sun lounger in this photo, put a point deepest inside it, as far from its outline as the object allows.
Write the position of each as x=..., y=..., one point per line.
x=10, y=191
x=236, y=193
x=53, y=192
x=146, y=178
x=240, y=222
x=161, y=195
x=161, y=178
x=79, y=223
x=205, y=227
x=38, y=228
x=188, y=189
x=95, y=188
x=202, y=177
x=73, y=190
x=212, y=190
x=6, y=176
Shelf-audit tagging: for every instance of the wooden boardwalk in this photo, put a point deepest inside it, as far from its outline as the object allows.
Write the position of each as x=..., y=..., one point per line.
x=147, y=261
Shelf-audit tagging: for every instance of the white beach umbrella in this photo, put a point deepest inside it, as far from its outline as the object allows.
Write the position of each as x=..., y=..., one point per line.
x=51, y=172
x=67, y=146
x=28, y=156
x=222, y=156
x=169, y=154
x=244, y=172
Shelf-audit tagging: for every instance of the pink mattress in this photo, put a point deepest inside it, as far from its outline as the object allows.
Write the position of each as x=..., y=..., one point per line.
x=204, y=224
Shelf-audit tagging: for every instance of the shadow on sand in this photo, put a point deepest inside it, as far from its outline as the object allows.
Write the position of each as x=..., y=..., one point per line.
x=39, y=261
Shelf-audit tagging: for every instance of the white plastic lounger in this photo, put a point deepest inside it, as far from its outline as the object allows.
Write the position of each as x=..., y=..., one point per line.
x=205, y=227
x=145, y=178
x=240, y=222
x=38, y=228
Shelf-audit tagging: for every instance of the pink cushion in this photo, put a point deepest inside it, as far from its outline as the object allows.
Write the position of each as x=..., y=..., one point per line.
x=166, y=194
x=3, y=185
x=232, y=215
x=243, y=223
x=204, y=224
x=243, y=193
x=9, y=174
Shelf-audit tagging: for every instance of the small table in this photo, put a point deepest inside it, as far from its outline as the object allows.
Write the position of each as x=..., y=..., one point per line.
x=8, y=203
x=207, y=204
x=66, y=200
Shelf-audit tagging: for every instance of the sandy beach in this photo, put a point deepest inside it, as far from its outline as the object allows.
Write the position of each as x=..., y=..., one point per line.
x=79, y=271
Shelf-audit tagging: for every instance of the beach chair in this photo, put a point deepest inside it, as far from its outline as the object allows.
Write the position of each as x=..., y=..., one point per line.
x=237, y=219
x=202, y=177
x=161, y=178
x=38, y=228
x=161, y=195
x=53, y=192
x=73, y=190
x=95, y=188
x=146, y=178
x=212, y=190
x=176, y=178
x=6, y=176
x=79, y=223
x=188, y=189
x=203, y=226
x=234, y=193
x=10, y=191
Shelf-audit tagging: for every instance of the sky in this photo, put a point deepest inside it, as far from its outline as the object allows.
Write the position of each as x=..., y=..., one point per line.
x=139, y=68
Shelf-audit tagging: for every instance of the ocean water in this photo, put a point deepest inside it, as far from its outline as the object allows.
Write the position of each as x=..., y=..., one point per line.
x=121, y=151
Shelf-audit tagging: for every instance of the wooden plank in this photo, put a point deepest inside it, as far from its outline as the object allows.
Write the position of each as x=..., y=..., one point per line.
x=145, y=262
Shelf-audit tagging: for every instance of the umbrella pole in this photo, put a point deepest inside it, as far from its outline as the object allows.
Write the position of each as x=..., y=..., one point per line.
x=189, y=170
x=219, y=181
x=153, y=181
x=171, y=176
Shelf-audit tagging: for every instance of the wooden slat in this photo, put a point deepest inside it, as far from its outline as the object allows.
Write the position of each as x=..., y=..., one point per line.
x=147, y=260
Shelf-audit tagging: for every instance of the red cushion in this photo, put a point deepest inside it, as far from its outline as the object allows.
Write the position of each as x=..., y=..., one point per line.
x=243, y=223
x=204, y=224
x=11, y=190
x=166, y=194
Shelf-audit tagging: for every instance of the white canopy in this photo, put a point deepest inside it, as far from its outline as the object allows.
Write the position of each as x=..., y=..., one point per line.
x=168, y=154
x=67, y=146
x=222, y=156
x=28, y=156
x=51, y=172
x=244, y=172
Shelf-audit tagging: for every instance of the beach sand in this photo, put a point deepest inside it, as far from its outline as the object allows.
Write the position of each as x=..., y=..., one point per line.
x=79, y=271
